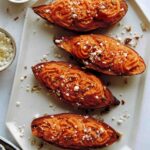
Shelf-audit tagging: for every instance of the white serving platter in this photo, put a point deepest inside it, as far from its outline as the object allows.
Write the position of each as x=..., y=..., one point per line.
x=37, y=41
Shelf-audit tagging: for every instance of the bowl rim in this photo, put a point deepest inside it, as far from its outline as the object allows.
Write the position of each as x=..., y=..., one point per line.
x=6, y=142
x=13, y=45
x=18, y=2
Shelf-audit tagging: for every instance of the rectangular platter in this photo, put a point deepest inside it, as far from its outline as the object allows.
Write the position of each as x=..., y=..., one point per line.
x=29, y=99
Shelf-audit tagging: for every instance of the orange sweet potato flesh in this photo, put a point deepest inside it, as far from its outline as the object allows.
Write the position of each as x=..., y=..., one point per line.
x=74, y=131
x=74, y=86
x=83, y=15
x=103, y=54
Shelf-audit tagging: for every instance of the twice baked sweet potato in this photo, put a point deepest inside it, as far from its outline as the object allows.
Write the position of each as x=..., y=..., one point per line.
x=74, y=131
x=103, y=54
x=74, y=86
x=83, y=15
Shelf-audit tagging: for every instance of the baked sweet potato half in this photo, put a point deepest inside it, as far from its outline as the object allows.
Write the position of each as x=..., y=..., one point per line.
x=103, y=54
x=74, y=86
x=83, y=15
x=74, y=131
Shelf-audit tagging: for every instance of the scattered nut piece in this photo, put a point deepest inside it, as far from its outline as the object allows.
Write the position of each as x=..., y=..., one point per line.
x=122, y=102
x=127, y=41
x=143, y=27
x=16, y=18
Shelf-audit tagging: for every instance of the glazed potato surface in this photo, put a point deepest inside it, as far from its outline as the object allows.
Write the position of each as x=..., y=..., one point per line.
x=74, y=131
x=74, y=86
x=103, y=54
x=83, y=15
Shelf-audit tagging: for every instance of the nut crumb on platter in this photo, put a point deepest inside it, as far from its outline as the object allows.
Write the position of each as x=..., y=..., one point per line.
x=16, y=18
x=122, y=102
x=143, y=27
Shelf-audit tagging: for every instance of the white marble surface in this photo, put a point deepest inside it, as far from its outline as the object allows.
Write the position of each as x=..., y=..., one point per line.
x=8, y=12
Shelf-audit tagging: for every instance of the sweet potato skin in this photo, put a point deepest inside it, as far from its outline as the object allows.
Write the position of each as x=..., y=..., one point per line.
x=83, y=15
x=74, y=86
x=103, y=54
x=74, y=131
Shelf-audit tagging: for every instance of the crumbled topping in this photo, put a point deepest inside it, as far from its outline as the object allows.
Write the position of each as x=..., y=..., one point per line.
x=125, y=54
x=47, y=10
x=102, y=6
x=122, y=9
x=76, y=88
x=74, y=16
x=58, y=41
x=97, y=97
x=118, y=43
x=67, y=94
x=86, y=117
x=78, y=43
x=85, y=47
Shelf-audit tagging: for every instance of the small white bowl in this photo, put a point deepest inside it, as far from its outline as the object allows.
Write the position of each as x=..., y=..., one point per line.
x=18, y=1
x=14, y=49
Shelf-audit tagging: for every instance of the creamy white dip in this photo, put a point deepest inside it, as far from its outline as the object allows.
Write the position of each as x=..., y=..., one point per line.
x=7, y=51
